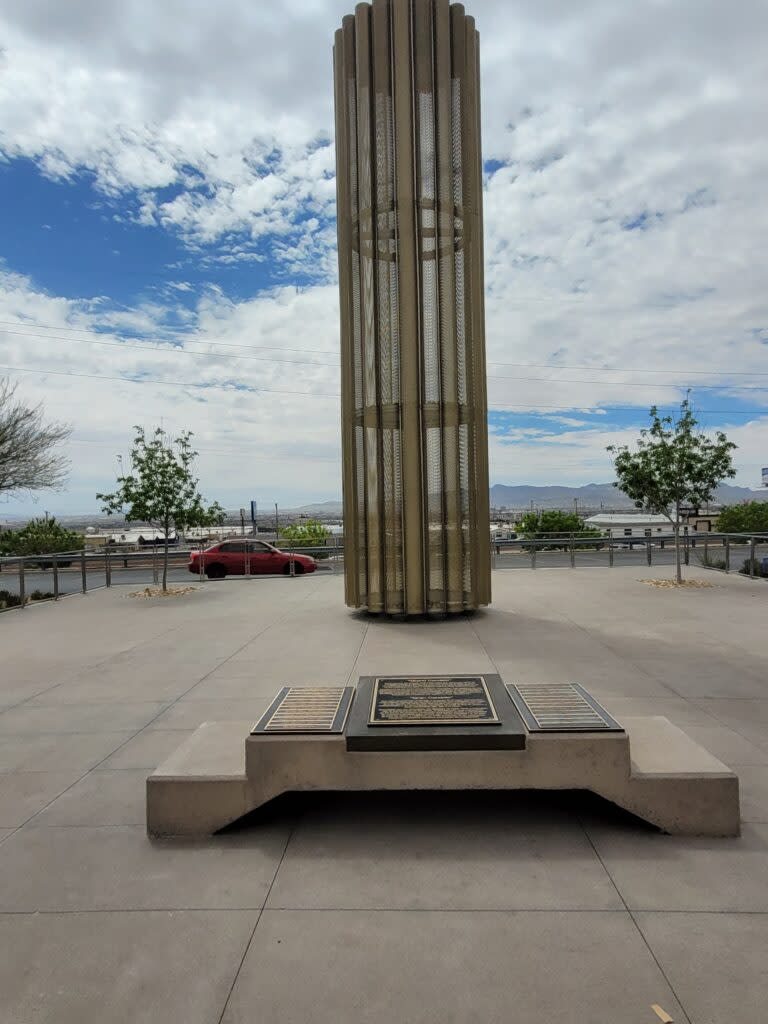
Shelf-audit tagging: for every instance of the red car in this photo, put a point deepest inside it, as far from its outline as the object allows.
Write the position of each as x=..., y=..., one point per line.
x=238, y=557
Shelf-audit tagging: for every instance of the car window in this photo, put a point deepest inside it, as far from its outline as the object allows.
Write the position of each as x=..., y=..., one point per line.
x=259, y=547
x=234, y=547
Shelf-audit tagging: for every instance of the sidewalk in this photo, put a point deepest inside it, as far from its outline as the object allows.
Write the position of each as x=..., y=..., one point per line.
x=413, y=907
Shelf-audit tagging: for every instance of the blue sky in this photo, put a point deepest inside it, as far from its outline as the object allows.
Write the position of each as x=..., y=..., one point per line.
x=167, y=234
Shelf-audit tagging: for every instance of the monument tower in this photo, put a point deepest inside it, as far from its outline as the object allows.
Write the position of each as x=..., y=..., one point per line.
x=410, y=229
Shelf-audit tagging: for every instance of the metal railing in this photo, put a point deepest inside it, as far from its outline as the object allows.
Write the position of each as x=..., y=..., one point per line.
x=58, y=575
x=53, y=576
x=710, y=550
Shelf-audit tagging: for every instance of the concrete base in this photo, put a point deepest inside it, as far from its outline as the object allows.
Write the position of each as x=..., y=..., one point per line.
x=653, y=770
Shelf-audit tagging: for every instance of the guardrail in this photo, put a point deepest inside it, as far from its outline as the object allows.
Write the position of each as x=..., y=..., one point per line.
x=614, y=550
x=52, y=576
x=66, y=573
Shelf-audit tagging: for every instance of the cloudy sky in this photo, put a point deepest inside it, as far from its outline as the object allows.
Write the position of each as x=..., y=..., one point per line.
x=167, y=233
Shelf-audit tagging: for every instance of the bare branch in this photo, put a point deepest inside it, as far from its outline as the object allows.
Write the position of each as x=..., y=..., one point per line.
x=29, y=455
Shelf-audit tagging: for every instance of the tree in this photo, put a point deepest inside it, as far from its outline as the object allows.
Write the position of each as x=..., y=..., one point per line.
x=161, y=490
x=29, y=456
x=673, y=465
x=309, y=534
x=746, y=517
x=555, y=522
x=40, y=537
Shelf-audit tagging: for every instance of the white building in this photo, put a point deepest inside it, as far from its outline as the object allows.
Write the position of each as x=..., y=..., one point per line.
x=630, y=524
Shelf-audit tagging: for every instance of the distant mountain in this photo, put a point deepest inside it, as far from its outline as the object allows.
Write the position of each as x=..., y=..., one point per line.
x=320, y=508
x=596, y=495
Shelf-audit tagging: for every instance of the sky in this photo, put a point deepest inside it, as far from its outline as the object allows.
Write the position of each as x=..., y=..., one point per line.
x=167, y=233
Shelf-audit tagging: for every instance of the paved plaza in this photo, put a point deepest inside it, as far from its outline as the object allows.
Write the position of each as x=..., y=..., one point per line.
x=418, y=908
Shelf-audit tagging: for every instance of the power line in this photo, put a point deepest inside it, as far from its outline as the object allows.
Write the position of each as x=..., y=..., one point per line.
x=171, y=349
x=632, y=384
x=126, y=341
x=319, y=394
x=168, y=383
x=273, y=454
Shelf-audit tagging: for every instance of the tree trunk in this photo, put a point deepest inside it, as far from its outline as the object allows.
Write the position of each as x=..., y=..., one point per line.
x=165, y=561
x=678, y=568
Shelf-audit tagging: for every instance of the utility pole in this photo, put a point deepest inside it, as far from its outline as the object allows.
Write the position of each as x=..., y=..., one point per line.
x=277, y=525
x=242, y=522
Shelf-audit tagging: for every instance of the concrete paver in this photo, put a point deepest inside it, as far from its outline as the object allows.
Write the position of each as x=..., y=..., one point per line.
x=28, y=720
x=656, y=872
x=117, y=868
x=23, y=794
x=717, y=963
x=441, y=851
x=103, y=797
x=427, y=907
x=438, y=967
x=121, y=968
x=146, y=749
x=749, y=718
x=47, y=752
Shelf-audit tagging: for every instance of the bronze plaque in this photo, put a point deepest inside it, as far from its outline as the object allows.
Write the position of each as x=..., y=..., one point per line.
x=431, y=700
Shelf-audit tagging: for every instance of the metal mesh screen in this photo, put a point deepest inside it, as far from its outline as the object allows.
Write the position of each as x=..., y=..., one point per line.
x=410, y=274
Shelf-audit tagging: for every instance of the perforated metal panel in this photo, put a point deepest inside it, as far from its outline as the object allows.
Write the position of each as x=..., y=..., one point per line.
x=412, y=325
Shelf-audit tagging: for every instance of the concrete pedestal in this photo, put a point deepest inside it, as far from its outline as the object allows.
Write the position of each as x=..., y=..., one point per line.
x=653, y=770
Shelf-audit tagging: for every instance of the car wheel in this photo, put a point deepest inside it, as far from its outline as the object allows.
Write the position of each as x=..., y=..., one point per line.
x=298, y=569
x=215, y=572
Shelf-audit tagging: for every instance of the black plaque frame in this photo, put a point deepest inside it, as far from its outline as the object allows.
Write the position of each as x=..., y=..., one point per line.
x=509, y=734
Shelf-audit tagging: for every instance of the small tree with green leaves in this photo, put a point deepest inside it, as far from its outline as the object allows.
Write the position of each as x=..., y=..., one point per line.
x=40, y=537
x=161, y=489
x=555, y=522
x=308, y=534
x=672, y=465
x=746, y=517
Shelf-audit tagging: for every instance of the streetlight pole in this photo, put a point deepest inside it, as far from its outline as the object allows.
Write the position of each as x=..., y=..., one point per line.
x=277, y=525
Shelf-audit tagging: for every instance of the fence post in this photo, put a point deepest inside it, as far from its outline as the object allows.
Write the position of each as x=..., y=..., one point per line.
x=752, y=557
x=687, y=547
x=727, y=554
x=83, y=572
x=533, y=554
x=22, y=587
x=55, y=578
x=573, y=553
x=648, y=554
x=107, y=568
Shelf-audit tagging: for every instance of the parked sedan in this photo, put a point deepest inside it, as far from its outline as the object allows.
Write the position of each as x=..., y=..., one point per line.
x=238, y=557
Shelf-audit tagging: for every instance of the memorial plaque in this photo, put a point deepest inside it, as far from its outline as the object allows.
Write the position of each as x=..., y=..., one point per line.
x=431, y=700
x=300, y=709
x=400, y=713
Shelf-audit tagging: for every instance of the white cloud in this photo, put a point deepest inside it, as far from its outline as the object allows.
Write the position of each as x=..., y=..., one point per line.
x=599, y=116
